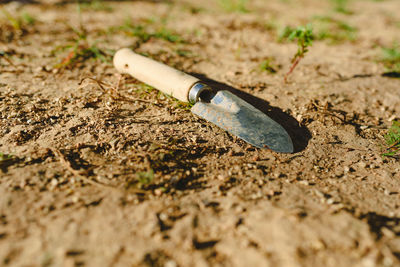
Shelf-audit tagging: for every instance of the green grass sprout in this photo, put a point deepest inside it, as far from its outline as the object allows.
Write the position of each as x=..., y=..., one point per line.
x=96, y=5
x=393, y=141
x=14, y=26
x=18, y=22
x=340, y=6
x=391, y=57
x=333, y=30
x=238, y=6
x=81, y=49
x=145, y=178
x=146, y=30
x=304, y=37
x=5, y=157
x=266, y=65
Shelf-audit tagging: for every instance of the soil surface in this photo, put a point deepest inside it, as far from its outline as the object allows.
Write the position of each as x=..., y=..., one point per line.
x=98, y=169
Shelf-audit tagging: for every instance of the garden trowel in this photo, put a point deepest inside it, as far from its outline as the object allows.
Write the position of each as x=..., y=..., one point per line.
x=222, y=108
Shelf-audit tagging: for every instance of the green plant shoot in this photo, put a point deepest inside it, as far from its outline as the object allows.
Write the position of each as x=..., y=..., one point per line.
x=304, y=37
x=145, y=178
x=393, y=141
x=391, y=58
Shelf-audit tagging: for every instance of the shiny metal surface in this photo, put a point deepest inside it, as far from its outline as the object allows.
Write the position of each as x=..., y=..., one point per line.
x=196, y=90
x=238, y=117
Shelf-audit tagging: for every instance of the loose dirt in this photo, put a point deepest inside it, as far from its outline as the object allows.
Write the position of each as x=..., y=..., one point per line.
x=101, y=170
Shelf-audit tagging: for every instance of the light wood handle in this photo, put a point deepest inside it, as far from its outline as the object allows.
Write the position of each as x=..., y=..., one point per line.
x=162, y=77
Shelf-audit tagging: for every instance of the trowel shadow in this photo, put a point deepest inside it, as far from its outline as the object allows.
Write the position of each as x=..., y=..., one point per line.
x=299, y=134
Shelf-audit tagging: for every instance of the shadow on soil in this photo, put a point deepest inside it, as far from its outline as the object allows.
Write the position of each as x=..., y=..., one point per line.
x=5, y=164
x=377, y=222
x=390, y=74
x=180, y=165
x=300, y=135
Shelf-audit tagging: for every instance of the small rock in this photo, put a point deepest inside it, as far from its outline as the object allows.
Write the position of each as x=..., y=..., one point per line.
x=54, y=182
x=170, y=263
x=75, y=199
x=158, y=192
x=392, y=118
x=304, y=182
x=362, y=164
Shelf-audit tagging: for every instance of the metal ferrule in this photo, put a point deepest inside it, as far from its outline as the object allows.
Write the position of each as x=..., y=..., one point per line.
x=196, y=90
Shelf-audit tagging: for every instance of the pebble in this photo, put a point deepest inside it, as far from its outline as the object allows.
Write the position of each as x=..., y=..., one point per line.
x=170, y=263
x=387, y=261
x=38, y=70
x=362, y=164
x=330, y=201
x=163, y=217
x=158, y=192
x=54, y=182
x=75, y=199
x=392, y=118
x=304, y=182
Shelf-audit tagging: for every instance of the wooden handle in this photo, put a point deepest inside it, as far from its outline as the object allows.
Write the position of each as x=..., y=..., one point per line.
x=162, y=77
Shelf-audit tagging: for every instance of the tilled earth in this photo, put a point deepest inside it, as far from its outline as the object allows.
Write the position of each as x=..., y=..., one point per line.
x=98, y=169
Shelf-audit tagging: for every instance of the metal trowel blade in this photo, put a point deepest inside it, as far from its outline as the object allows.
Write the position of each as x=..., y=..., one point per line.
x=238, y=117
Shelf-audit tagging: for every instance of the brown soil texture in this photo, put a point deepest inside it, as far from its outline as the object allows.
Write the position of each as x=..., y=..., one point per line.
x=99, y=169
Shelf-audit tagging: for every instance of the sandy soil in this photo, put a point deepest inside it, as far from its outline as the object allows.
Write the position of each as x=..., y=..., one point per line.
x=119, y=175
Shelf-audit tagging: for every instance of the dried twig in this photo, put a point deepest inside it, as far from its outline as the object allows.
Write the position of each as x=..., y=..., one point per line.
x=7, y=59
x=113, y=90
x=392, y=145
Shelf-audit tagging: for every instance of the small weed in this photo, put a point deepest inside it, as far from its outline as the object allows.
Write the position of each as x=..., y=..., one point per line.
x=14, y=26
x=19, y=22
x=192, y=9
x=145, y=88
x=270, y=26
x=336, y=31
x=145, y=178
x=96, y=5
x=6, y=160
x=391, y=58
x=174, y=102
x=340, y=6
x=267, y=66
x=184, y=53
x=142, y=90
x=81, y=50
x=145, y=31
x=304, y=37
x=168, y=35
x=393, y=141
x=285, y=33
x=234, y=5
x=5, y=157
